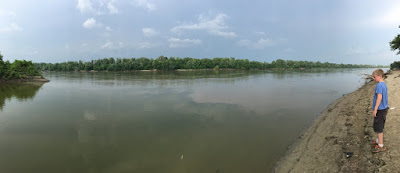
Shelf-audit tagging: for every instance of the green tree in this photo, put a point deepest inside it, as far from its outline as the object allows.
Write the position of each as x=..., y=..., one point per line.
x=395, y=65
x=279, y=63
x=395, y=43
x=2, y=69
x=173, y=63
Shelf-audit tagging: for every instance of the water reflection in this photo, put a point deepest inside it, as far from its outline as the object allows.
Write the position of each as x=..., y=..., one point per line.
x=148, y=78
x=145, y=121
x=152, y=138
x=20, y=91
x=179, y=78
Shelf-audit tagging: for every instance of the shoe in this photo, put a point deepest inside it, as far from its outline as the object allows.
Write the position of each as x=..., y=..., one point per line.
x=373, y=142
x=378, y=149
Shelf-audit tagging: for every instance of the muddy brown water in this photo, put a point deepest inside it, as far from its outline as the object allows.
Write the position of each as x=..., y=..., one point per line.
x=178, y=122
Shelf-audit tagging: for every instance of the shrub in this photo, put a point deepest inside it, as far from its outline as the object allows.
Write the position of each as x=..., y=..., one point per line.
x=17, y=70
x=395, y=65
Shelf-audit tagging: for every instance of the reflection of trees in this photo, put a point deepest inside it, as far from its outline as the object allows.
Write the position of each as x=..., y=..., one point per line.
x=21, y=91
x=155, y=78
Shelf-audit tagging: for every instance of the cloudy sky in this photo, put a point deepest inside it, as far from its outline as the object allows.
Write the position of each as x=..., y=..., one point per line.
x=339, y=31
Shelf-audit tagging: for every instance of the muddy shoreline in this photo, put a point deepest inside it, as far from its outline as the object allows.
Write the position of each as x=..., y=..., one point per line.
x=346, y=126
x=32, y=79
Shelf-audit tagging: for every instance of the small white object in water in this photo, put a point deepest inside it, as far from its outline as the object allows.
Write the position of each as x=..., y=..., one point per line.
x=392, y=108
x=90, y=116
x=182, y=157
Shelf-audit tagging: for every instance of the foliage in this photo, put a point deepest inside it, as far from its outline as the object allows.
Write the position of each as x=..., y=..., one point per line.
x=2, y=67
x=395, y=44
x=395, y=65
x=17, y=70
x=173, y=63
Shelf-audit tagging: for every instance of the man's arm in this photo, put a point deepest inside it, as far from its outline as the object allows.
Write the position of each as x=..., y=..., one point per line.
x=378, y=102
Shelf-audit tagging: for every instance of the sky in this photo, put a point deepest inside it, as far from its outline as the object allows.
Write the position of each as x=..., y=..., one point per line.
x=340, y=31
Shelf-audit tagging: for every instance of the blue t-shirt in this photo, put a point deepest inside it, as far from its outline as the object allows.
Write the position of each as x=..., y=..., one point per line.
x=381, y=88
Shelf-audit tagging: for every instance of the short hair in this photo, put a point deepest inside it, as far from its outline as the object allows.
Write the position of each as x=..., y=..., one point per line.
x=378, y=72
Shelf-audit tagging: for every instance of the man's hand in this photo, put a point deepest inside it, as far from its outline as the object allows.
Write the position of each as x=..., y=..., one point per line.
x=374, y=113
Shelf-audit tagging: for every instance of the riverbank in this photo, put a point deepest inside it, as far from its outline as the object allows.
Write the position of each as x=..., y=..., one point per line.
x=346, y=126
x=30, y=79
x=215, y=70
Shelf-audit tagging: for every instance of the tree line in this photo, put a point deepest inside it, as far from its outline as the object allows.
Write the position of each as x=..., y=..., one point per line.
x=17, y=70
x=395, y=45
x=174, y=63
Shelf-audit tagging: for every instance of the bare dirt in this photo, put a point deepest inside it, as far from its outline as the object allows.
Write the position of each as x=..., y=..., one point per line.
x=346, y=126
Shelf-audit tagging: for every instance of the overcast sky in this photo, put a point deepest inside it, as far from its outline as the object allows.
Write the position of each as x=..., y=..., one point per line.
x=340, y=31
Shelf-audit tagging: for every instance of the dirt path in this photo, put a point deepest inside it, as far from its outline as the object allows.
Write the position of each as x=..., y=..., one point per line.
x=346, y=126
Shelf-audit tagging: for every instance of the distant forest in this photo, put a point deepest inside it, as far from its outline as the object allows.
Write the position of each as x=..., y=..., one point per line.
x=172, y=63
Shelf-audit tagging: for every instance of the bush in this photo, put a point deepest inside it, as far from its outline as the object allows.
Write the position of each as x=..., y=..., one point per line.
x=395, y=65
x=17, y=70
x=2, y=68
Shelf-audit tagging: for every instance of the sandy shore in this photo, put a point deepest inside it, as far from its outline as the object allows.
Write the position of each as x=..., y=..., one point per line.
x=346, y=126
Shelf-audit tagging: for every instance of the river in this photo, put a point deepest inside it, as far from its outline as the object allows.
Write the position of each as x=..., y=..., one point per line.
x=152, y=122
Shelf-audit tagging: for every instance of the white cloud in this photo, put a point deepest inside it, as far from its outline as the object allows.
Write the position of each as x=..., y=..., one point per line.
x=107, y=45
x=143, y=45
x=11, y=27
x=260, y=33
x=262, y=43
x=84, y=5
x=98, y=7
x=392, y=17
x=109, y=28
x=112, y=45
x=389, y=17
x=149, y=32
x=177, y=42
x=111, y=8
x=223, y=34
x=7, y=22
x=89, y=23
x=214, y=26
x=144, y=4
x=244, y=43
x=4, y=13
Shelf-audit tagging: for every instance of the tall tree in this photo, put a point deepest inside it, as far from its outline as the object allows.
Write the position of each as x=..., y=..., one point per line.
x=2, y=71
x=395, y=44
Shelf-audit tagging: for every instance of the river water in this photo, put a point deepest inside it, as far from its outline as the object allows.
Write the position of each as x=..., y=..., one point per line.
x=154, y=122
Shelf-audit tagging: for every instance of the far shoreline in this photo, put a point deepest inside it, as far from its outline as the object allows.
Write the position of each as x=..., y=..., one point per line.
x=224, y=69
